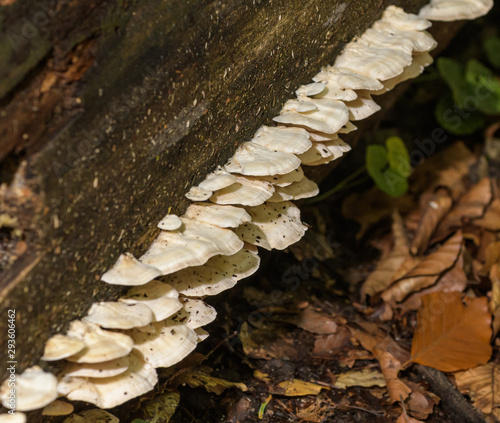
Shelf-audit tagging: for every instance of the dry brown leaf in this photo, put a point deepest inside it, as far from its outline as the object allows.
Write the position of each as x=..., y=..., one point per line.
x=436, y=209
x=316, y=322
x=326, y=345
x=407, y=419
x=370, y=207
x=491, y=218
x=495, y=287
x=456, y=161
x=492, y=253
x=383, y=275
x=390, y=357
x=297, y=388
x=454, y=280
x=364, y=378
x=470, y=206
x=420, y=405
x=451, y=335
x=196, y=378
x=427, y=272
x=482, y=384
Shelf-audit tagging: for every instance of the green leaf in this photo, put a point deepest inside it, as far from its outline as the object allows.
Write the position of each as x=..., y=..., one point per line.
x=139, y=421
x=492, y=48
x=486, y=88
x=398, y=156
x=453, y=74
x=385, y=176
x=456, y=120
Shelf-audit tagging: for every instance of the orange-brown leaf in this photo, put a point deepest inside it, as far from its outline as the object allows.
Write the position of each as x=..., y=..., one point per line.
x=407, y=419
x=451, y=335
x=436, y=209
x=383, y=275
x=427, y=272
x=390, y=357
x=492, y=253
x=491, y=218
x=482, y=384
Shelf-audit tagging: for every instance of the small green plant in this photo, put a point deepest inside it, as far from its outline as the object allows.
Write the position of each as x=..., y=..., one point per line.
x=389, y=166
x=474, y=92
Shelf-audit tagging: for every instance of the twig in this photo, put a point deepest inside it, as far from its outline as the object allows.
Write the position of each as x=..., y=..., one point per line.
x=453, y=402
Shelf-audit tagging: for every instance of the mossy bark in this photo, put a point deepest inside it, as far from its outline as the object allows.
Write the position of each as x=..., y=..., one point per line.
x=136, y=101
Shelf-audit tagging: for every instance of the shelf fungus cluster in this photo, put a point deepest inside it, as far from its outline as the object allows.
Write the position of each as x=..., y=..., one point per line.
x=111, y=355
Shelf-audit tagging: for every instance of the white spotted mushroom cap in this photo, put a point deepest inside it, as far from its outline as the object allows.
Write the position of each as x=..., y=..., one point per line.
x=168, y=343
x=323, y=115
x=34, y=389
x=273, y=226
x=100, y=345
x=16, y=417
x=192, y=245
x=60, y=346
x=58, y=408
x=170, y=222
x=160, y=297
x=92, y=416
x=198, y=194
x=305, y=188
x=283, y=180
x=129, y=271
x=97, y=370
x=454, y=10
x=245, y=192
x=119, y=315
x=195, y=313
x=222, y=216
x=217, y=275
x=251, y=159
x=110, y=392
x=281, y=138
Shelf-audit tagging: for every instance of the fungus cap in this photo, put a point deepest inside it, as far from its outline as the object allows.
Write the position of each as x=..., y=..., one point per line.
x=217, y=275
x=222, y=216
x=100, y=345
x=110, y=392
x=160, y=297
x=34, y=389
x=273, y=226
x=170, y=222
x=361, y=108
x=169, y=342
x=328, y=116
x=245, y=191
x=218, y=179
x=192, y=245
x=16, y=417
x=281, y=138
x=92, y=416
x=195, y=313
x=198, y=194
x=129, y=271
x=454, y=10
x=61, y=346
x=284, y=180
x=251, y=159
x=58, y=408
x=119, y=315
x=305, y=188
x=97, y=370
x=347, y=79
x=376, y=63
x=404, y=21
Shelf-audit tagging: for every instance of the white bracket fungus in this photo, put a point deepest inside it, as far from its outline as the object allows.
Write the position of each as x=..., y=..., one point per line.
x=198, y=255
